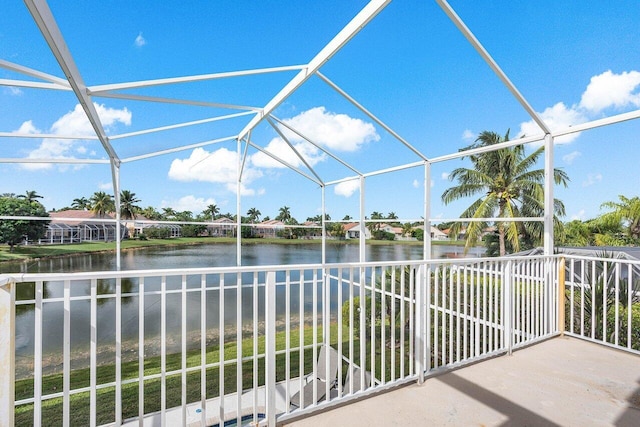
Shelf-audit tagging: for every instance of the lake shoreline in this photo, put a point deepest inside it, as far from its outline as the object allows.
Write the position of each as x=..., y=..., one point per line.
x=24, y=254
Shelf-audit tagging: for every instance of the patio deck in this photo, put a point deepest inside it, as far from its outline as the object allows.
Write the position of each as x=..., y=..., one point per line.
x=562, y=381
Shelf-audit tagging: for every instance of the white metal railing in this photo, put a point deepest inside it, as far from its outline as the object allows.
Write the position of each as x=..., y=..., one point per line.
x=603, y=300
x=204, y=345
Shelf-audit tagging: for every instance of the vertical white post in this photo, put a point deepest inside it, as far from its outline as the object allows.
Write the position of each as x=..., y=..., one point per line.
x=548, y=194
x=363, y=255
x=7, y=351
x=115, y=176
x=420, y=332
x=323, y=223
x=507, y=285
x=270, y=344
x=427, y=212
x=238, y=207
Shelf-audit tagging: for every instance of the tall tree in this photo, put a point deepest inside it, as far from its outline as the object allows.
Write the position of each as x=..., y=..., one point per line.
x=128, y=207
x=102, y=203
x=625, y=211
x=30, y=196
x=507, y=187
x=212, y=211
x=81, y=203
x=284, y=214
x=254, y=215
x=13, y=232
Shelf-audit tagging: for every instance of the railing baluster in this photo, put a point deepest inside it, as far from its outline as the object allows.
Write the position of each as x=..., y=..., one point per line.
x=163, y=351
x=203, y=349
x=66, y=353
x=183, y=327
x=37, y=344
x=93, y=349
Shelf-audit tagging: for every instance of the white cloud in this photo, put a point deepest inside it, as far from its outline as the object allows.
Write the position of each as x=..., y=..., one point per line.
x=140, y=41
x=188, y=203
x=592, y=178
x=467, y=135
x=612, y=90
x=347, y=188
x=218, y=167
x=105, y=186
x=13, y=91
x=444, y=175
x=415, y=183
x=283, y=151
x=27, y=128
x=557, y=117
x=569, y=158
x=579, y=215
x=335, y=131
x=74, y=122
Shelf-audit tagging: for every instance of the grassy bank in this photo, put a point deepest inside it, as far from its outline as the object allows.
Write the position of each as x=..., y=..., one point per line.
x=24, y=253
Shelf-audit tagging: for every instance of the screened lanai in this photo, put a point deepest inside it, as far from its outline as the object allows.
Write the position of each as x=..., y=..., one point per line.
x=333, y=108
x=193, y=114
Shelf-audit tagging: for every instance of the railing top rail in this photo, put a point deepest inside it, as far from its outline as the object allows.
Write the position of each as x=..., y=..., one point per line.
x=598, y=258
x=31, y=277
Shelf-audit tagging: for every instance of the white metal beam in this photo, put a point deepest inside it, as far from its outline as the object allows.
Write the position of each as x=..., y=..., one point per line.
x=55, y=161
x=318, y=146
x=372, y=116
x=492, y=63
x=45, y=136
x=347, y=33
x=180, y=125
x=34, y=73
x=176, y=149
x=285, y=163
x=189, y=79
x=171, y=101
x=32, y=85
x=46, y=23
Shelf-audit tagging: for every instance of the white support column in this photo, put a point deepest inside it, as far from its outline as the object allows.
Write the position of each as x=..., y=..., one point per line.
x=270, y=344
x=238, y=207
x=7, y=351
x=363, y=247
x=115, y=177
x=420, y=333
x=427, y=212
x=548, y=194
x=324, y=232
x=507, y=311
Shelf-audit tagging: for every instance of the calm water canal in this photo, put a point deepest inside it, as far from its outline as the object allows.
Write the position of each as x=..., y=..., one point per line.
x=213, y=255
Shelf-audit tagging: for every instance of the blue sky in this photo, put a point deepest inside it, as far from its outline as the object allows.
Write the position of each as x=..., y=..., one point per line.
x=410, y=67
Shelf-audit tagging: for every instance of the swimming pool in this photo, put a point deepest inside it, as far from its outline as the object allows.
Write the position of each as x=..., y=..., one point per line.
x=245, y=420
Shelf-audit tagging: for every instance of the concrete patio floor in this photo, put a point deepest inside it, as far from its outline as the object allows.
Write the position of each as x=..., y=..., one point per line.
x=559, y=382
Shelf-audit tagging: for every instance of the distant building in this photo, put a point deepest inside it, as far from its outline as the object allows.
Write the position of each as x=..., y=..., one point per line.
x=221, y=227
x=352, y=231
x=75, y=226
x=269, y=229
x=436, y=234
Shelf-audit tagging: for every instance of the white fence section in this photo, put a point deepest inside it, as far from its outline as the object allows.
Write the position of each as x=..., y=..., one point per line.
x=603, y=300
x=259, y=344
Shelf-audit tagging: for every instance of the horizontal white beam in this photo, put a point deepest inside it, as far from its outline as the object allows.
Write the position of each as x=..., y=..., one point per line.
x=55, y=161
x=285, y=163
x=171, y=101
x=34, y=73
x=32, y=85
x=395, y=168
x=189, y=79
x=488, y=148
x=515, y=219
x=45, y=136
x=181, y=125
x=177, y=149
x=619, y=118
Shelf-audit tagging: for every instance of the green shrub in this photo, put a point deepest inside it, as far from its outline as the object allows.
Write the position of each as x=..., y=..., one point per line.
x=623, y=324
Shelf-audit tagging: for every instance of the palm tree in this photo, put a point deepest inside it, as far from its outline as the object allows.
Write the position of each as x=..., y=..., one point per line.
x=254, y=215
x=507, y=189
x=168, y=213
x=30, y=196
x=128, y=207
x=151, y=213
x=102, y=203
x=212, y=210
x=81, y=203
x=626, y=211
x=284, y=214
x=407, y=227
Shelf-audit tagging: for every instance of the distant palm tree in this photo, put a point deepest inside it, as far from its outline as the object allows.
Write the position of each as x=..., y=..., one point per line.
x=81, y=203
x=284, y=214
x=168, y=213
x=626, y=211
x=212, y=210
x=128, y=207
x=102, y=203
x=254, y=215
x=406, y=229
x=30, y=196
x=507, y=189
x=151, y=213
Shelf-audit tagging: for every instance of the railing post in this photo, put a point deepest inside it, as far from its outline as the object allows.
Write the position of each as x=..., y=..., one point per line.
x=419, y=337
x=270, y=347
x=7, y=351
x=507, y=306
x=561, y=295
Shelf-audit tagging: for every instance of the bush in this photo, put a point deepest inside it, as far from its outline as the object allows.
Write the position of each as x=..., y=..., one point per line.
x=356, y=314
x=157, y=232
x=623, y=317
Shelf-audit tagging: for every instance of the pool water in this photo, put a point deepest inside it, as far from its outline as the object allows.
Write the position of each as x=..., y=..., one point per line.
x=246, y=420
